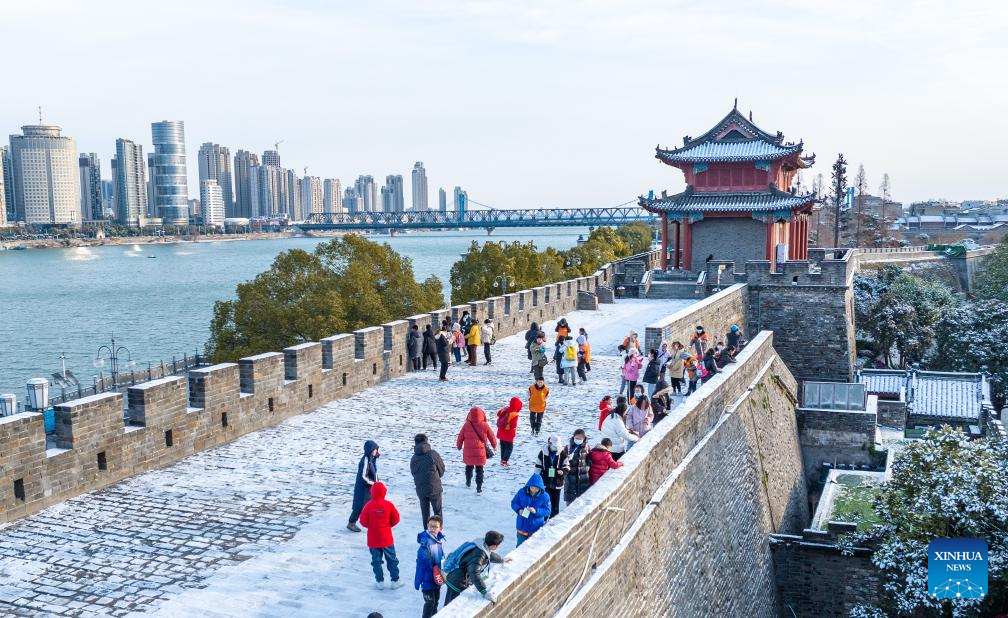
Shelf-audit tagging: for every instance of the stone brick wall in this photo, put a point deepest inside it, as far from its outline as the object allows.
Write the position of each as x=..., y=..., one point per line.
x=682, y=529
x=103, y=439
x=837, y=436
x=732, y=240
x=716, y=314
x=814, y=579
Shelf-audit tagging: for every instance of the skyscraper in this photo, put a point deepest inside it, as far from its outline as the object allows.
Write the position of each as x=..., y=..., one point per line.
x=392, y=194
x=90, y=183
x=108, y=197
x=171, y=187
x=419, y=186
x=152, y=209
x=128, y=179
x=46, y=178
x=271, y=157
x=461, y=202
x=7, y=174
x=212, y=203
x=244, y=177
x=293, y=196
x=272, y=191
x=311, y=195
x=442, y=200
x=367, y=193
x=351, y=201
x=215, y=164
x=3, y=197
x=332, y=196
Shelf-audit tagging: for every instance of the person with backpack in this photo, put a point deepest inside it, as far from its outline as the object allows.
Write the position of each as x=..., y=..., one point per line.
x=569, y=362
x=488, y=337
x=577, y=481
x=379, y=516
x=458, y=341
x=429, y=348
x=443, y=342
x=694, y=372
x=367, y=475
x=584, y=355
x=414, y=347
x=562, y=330
x=465, y=565
x=553, y=465
x=532, y=506
x=539, y=358
x=473, y=341
x=427, y=468
x=473, y=441
x=601, y=460
x=429, y=559
x=538, y=394
x=558, y=355
x=507, y=427
x=530, y=336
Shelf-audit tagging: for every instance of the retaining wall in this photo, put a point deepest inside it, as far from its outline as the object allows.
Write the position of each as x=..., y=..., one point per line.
x=715, y=313
x=683, y=528
x=170, y=418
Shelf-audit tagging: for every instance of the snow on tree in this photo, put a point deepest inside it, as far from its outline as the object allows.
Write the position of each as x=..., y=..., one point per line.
x=972, y=338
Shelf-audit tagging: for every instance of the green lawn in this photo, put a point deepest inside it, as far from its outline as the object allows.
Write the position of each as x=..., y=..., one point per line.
x=854, y=501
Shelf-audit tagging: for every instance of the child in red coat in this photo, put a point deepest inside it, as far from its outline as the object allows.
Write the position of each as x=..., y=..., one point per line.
x=379, y=516
x=507, y=425
x=601, y=461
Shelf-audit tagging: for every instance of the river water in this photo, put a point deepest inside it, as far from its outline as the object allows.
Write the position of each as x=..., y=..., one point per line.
x=71, y=301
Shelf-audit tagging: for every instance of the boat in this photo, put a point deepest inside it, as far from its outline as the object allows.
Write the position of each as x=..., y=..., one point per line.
x=19, y=248
x=151, y=257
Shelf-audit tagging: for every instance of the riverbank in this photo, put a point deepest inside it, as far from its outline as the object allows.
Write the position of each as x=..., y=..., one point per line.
x=69, y=243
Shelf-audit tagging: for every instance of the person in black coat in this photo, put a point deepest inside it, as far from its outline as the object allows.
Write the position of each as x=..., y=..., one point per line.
x=552, y=466
x=443, y=342
x=530, y=337
x=710, y=365
x=367, y=475
x=427, y=468
x=429, y=348
x=577, y=481
x=414, y=347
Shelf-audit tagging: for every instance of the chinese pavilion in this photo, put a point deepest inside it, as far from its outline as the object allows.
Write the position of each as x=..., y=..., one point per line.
x=739, y=204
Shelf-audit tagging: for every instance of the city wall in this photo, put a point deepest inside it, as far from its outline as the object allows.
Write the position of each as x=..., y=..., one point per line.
x=105, y=438
x=683, y=528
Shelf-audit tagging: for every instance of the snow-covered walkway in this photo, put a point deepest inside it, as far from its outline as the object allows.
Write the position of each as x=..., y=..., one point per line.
x=257, y=527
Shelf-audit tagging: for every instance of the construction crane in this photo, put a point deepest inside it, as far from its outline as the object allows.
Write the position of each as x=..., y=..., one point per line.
x=276, y=145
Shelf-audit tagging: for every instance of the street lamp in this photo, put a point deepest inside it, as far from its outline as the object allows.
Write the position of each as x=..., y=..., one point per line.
x=503, y=282
x=114, y=353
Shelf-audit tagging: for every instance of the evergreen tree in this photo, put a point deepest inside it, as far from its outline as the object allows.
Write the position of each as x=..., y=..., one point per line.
x=992, y=278
x=839, y=188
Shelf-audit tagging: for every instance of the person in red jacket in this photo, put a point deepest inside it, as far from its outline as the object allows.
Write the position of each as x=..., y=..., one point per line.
x=601, y=461
x=472, y=441
x=507, y=426
x=379, y=516
x=605, y=407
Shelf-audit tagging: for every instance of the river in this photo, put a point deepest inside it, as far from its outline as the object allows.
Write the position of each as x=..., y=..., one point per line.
x=157, y=299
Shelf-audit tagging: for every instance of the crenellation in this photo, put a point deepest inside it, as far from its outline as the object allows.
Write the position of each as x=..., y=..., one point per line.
x=457, y=310
x=369, y=343
x=90, y=421
x=438, y=316
x=158, y=403
x=337, y=351
x=214, y=387
x=395, y=348
x=478, y=309
x=262, y=373
x=495, y=307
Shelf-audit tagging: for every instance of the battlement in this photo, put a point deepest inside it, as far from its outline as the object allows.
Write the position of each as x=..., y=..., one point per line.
x=823, y=268
x=105, y=438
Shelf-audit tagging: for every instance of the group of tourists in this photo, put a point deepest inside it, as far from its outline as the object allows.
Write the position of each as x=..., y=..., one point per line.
x=566, y=467
x=454, y=338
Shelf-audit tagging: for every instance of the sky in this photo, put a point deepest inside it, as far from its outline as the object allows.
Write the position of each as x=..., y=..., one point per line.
x=525, y=103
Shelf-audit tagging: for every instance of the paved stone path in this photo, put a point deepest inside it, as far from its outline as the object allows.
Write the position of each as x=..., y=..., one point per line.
x=255, y=527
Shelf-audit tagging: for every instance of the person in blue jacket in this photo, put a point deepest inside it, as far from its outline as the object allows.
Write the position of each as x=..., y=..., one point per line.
x=429, y=555
x=367, y=475
x=532, y=505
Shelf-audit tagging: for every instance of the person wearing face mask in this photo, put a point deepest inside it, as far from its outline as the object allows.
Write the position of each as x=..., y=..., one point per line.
x=700, y=341
x=577, y=481
x=553, y=467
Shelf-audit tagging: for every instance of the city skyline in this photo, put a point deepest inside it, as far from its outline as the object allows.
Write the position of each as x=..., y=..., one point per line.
x=549, y=95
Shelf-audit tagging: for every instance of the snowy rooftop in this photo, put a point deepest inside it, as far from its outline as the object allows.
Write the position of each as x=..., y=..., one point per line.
x=750, y=201
x=730, y=150
x=256, y=527
x=937, y=394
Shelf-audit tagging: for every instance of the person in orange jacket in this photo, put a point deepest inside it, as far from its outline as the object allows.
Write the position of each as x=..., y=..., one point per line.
x=584, y=355
x=379, y=516
x=538, y=393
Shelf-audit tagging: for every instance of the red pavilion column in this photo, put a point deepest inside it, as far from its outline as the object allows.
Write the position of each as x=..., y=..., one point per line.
x=803, y=237
x=664, y=242
x=770, y=240
x=793, y=237
x=677, y=259
x=688, y=246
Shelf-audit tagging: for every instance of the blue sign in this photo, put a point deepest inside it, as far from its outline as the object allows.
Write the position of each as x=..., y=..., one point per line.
x=849, y=198
x=957, y=568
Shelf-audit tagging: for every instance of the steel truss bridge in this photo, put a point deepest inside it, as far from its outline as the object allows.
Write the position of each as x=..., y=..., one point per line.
x=487, y=219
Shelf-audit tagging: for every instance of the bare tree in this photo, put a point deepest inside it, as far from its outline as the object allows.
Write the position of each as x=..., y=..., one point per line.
x=885, y=192
x=839, y=186
x=861, y=186
x=818, y=190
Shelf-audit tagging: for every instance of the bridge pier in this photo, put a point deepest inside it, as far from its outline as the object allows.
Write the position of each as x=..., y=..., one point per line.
x=490, y=231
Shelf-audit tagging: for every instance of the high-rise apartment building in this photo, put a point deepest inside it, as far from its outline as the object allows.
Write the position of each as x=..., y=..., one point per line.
x=108, y=197
x=332, y=196
x=312, y=195
x=351, y=201
x=392, y=194
x=461, y=202
x=367, y=193
x=271, y=158
x=44, y=167
x=246, y=184
x=215, y=164
x=3, y=196
x=293, y=196
x=7, y=178
x=212, y=203
x=89, y=168
x=442, y=200
x=272, y=191
x=129, y=182
x=419, y=186
x=171, y=187
x=152, y=209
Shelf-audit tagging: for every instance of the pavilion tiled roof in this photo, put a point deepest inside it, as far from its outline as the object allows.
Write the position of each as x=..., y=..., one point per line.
x=729, y=150
x=756, y=201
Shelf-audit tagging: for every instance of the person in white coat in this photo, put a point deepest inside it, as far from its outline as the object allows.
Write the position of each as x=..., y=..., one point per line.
x=488, y=337
x=614, y=427
x=569, y=361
